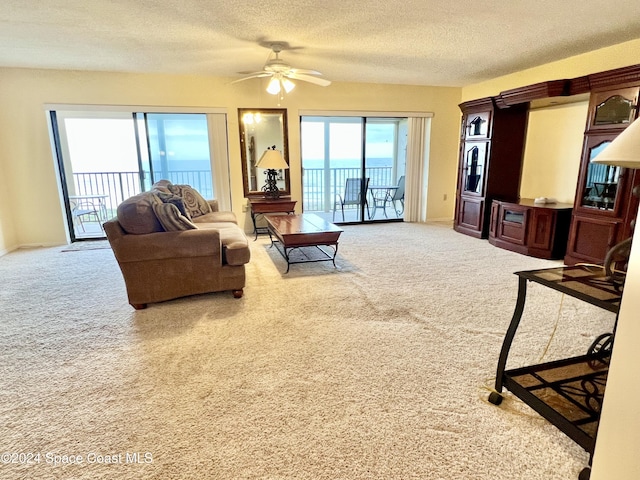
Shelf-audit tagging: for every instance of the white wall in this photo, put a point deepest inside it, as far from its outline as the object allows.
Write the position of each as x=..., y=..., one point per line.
x=30, y=208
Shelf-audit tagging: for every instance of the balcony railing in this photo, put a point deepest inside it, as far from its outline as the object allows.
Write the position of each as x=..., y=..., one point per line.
x=118, y=186
x=121, y=185
x=319, y=186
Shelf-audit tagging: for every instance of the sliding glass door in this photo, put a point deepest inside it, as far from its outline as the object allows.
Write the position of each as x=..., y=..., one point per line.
x=106, y=157
x=332, y=167
x=385, y=162
x=178, y=149
x=353, y=167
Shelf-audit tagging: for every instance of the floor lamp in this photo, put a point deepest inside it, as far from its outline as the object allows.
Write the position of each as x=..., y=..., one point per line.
x=618, y=441
x=623, y=151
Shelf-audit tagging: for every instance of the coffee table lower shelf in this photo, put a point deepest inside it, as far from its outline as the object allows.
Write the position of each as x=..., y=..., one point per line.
x=324, y=255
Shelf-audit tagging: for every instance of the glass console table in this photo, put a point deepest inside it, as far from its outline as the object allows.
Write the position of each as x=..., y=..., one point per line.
x=569, y=392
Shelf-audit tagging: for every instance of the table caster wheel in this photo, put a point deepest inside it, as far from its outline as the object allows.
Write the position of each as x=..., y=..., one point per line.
x=601, y=348
x=585, y=474
x=603, y=343
x=495, y=398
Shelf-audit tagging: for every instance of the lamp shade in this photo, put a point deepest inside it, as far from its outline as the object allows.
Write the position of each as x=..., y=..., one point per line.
x=624, y=150
x=288, y=85
x=272, y=159
x=274, y=86
x=278, y=83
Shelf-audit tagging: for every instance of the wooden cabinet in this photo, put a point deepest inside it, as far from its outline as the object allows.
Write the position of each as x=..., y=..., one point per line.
x=490, y=161
x=261, y=206
x=538, y=230
x=604, y=206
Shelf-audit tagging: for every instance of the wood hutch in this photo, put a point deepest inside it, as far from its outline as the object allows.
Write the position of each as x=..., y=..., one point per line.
x=604, y=206
x=490, y=139
x=490, y=160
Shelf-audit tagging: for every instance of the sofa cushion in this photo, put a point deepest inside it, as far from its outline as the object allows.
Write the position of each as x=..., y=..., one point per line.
x=175, y=200
x=195, y=203
x=235, y=246
x=171, y=218
x=136, y=214
x=213, y=217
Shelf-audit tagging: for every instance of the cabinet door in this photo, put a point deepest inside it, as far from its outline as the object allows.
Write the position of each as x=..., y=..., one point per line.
x=600, y=185
x=470, y=213
x=612, y=108
x=477, y=125
x=474, y=159
x=495, y=219
x=542, y=229
x=590, y=238
x=513, y=224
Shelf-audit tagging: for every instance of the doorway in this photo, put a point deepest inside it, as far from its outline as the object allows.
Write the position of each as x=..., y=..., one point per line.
x=354, y=167
x=105, y=157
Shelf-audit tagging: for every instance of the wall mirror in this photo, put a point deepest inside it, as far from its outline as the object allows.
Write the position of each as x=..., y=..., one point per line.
x=261, y=129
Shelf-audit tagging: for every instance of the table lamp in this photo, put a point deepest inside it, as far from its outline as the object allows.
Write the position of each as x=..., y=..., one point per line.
x=623, y=151
x=272, y=161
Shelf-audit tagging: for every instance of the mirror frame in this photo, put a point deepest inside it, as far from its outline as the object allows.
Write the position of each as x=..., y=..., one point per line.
x=245, y=154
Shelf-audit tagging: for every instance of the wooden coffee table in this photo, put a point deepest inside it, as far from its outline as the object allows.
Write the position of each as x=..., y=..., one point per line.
x=293, y=232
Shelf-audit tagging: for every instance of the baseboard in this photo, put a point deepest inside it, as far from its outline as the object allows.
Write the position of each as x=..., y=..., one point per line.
x=440, y=220
x=40, y=245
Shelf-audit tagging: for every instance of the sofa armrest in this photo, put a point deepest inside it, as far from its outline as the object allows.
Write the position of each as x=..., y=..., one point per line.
x=163, y=245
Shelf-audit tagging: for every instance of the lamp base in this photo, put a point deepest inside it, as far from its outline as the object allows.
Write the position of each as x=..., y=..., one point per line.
x=270, y=188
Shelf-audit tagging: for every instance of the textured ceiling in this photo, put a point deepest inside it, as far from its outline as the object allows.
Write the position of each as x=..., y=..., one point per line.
x=420, y=42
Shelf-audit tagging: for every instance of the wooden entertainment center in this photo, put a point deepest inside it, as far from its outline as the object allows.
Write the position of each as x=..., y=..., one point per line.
x=567, y=392
x=535, y=229
x=492, y=140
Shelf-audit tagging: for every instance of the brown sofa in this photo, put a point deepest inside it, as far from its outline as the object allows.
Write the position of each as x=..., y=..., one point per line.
x=170, y=243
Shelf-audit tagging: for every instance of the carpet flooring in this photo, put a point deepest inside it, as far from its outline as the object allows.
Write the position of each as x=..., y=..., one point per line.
x=377, y=369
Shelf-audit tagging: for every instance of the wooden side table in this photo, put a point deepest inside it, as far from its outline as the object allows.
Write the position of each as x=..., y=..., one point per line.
x=263, y=206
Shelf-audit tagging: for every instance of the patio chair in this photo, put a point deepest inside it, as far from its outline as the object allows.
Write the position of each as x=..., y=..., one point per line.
x=398, y=196
x=354, y=191
x=86, y=210
x=385, y=195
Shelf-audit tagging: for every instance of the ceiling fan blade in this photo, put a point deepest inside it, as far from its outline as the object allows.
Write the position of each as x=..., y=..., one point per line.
x=304, y=72
x=253, y=75
x=308, y=78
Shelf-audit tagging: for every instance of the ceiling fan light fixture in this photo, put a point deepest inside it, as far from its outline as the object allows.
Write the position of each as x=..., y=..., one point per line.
x=282, y=74
x=274, y=86
x=288, y=85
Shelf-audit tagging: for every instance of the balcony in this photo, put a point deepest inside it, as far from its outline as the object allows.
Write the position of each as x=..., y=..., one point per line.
x=109, y=189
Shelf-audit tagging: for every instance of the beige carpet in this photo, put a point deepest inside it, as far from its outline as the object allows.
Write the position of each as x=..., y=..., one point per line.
x=374, y=370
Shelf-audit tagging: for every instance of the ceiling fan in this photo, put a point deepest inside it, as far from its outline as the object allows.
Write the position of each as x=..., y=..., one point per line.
x=282, y=73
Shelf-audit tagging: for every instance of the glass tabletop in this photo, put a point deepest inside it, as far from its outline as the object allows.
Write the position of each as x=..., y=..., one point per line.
x=587, y=283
